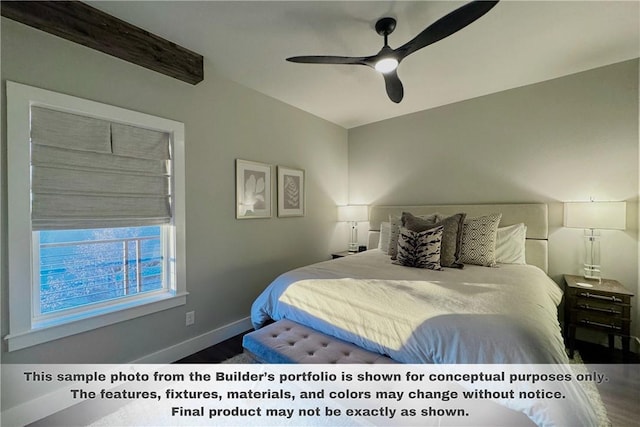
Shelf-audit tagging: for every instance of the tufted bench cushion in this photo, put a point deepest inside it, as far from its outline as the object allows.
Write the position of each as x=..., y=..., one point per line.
x=289, y=342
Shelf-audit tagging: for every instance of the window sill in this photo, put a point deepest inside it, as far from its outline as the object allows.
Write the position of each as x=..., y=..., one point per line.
x=50, y=330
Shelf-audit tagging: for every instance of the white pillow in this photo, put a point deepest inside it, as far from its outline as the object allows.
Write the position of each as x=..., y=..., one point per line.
x=510, y=244
x=385, y=234
x=395, y=222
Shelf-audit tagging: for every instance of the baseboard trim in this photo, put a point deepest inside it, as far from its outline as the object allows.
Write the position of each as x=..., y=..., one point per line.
x=196, y=344
x=42, y=407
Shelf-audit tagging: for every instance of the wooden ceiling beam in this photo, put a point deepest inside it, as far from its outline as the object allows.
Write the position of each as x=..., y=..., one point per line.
x=88, y=26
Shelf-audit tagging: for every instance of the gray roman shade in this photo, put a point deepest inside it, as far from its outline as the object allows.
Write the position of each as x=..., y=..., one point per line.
x=92, y=173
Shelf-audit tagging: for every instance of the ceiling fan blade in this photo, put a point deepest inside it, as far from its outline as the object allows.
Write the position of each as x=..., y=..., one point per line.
x=320, y=59
x=395, y=90
x=447, y=25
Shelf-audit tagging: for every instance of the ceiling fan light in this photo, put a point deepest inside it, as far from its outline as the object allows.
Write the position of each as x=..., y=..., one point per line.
x=386, y=65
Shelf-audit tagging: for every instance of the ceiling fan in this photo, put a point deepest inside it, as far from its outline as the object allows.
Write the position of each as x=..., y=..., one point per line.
x=387, y=60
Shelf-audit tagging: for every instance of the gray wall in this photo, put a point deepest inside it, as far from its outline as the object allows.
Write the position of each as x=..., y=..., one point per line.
x=228, y=261
x=567, y=139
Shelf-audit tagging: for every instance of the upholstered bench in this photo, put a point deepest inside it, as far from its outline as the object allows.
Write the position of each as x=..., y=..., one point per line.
x=285, y=341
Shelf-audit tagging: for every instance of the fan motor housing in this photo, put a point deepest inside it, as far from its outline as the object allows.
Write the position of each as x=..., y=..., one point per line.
x=385, y=26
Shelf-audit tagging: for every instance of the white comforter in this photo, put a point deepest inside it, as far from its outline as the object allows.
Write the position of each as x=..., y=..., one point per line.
x=477, y=315
x=474, y=315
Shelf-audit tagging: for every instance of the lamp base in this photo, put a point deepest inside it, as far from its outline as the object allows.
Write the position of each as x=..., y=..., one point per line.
x=592, y=255
x=353, y=242
x=592, y=272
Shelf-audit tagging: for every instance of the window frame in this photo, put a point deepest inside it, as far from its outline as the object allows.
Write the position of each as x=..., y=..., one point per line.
x=24, y=330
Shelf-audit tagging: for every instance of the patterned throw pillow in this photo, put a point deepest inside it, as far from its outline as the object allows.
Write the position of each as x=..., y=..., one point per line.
x=396, y=223
x=451, y=235
x=479, y=240
x=420, y=249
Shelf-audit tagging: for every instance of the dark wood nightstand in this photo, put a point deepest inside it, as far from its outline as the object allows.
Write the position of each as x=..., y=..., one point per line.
x=342, y=254
x=604, y=307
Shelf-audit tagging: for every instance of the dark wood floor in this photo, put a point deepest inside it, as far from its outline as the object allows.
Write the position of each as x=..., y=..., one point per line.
x=217, y=353
x=598, y=354
x=621, y=395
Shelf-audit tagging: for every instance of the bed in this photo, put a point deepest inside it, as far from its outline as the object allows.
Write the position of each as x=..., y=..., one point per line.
x=484, y=313
x=417, y=315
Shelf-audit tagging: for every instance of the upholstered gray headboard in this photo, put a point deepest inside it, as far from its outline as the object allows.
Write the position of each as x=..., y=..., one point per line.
x=534, y=215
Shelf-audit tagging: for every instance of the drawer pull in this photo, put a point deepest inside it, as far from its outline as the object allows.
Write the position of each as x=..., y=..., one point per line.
x=604, y=310
x=603, y=325
x=602, y=297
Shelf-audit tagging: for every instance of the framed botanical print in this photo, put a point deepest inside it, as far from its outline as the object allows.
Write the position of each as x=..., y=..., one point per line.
x=253, y=189
x=290, y=192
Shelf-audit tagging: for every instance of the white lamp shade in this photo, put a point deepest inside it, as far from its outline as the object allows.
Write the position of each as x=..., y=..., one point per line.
x=353, y=213
x=597, y=215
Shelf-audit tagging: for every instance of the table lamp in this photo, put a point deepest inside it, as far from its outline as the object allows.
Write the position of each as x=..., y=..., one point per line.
x=593, y=217
x=353, y=214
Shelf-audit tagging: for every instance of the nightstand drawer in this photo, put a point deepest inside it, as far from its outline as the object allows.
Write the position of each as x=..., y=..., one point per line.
x=603, y=308
x=591, y=320
x=597, y=296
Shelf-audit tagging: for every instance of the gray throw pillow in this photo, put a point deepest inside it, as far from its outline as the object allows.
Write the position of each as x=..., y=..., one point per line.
x=420, y=249
x=451, y=235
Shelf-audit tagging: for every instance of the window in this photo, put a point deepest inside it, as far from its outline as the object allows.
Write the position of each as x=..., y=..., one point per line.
x=82, y=267
x=96, y=214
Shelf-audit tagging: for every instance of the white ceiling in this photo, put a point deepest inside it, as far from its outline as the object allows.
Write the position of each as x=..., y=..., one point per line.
x=517, y=43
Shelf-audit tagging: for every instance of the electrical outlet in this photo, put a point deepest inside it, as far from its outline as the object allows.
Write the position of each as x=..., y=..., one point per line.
x=190, y=318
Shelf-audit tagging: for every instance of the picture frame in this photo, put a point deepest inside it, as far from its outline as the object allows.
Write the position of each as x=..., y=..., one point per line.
x=253, y=189
x=291, y=192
